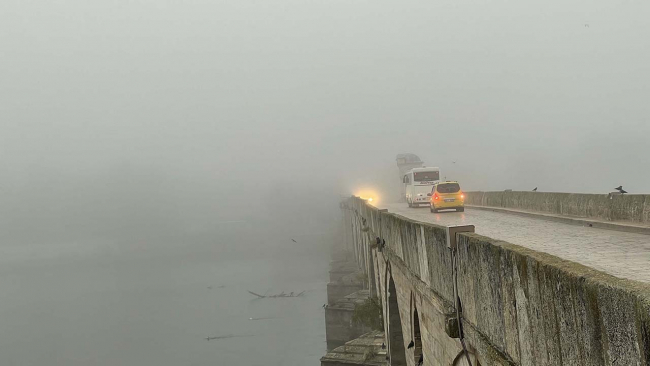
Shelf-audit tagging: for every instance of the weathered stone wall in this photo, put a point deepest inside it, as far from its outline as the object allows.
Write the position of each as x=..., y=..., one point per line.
x=365, y=350
x=521, y=307
x=344, y=286
x=628, y=207
x=339, y=328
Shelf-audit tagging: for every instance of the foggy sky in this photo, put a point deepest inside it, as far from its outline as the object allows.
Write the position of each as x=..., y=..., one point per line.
x=208, y=102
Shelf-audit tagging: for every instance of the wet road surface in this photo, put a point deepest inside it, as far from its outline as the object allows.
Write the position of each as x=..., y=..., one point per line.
x=621, y=254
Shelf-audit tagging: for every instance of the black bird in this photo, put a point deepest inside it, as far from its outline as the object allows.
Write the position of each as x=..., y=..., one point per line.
x=623, y=191
x=293, y=241
x=421, y=360
x=619, y=188
x=411, y=345
x=535, y=189
x=383, y=345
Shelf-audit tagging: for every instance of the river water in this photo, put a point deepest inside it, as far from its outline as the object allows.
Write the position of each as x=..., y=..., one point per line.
x=152, y=301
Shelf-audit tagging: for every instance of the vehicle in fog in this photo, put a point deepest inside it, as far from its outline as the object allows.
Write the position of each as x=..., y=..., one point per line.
x=417, y=183
x=406, y=162
x=447, y=195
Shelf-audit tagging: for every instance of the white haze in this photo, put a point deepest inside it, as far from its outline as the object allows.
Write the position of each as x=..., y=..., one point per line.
x=149, y=149
x=229, y=98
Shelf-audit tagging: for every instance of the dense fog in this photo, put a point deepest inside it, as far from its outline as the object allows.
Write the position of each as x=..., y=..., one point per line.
x=168, y=108
x=233, y=95
x=160, y=121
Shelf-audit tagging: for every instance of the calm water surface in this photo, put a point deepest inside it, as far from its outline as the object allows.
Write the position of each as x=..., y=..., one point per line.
x=147, y=302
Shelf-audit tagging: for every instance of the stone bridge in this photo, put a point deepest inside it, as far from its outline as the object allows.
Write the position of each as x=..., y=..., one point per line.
x=518, y=306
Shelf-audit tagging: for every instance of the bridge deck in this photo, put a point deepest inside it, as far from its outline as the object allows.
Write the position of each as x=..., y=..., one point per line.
x=621, y=254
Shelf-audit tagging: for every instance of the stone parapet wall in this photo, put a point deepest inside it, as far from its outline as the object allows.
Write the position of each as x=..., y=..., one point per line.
x=628, y=207
x=521, y=307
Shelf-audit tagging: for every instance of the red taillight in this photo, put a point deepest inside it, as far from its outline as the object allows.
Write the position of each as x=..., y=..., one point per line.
x=462, y=195
x=436, y=197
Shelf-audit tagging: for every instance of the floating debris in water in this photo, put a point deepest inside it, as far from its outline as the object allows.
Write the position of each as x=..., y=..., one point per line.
x=282, y=294
x=262, y=318
x=228, y=336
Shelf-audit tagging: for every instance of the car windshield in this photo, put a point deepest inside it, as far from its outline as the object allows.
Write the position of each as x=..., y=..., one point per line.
x=448, y=188
x=426, y=176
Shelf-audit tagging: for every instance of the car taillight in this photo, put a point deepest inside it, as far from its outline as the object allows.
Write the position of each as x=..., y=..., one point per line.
x=436, y=197
x=462, y=195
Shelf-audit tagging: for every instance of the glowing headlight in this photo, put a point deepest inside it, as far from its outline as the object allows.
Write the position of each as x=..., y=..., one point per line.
x=368, y=195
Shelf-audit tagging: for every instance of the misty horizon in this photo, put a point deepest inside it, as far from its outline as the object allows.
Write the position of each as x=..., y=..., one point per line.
x=189, y=141
x=535, y=99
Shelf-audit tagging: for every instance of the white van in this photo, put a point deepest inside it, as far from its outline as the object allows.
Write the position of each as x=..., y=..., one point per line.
x=417, y=183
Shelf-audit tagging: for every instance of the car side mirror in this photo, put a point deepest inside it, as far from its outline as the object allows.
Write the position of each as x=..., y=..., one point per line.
x=429, y=194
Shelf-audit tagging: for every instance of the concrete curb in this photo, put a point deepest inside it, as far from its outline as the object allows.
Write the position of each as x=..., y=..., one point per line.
x=569, y=220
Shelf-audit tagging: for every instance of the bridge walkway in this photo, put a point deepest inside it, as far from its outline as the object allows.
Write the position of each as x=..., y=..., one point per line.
x=620, y=254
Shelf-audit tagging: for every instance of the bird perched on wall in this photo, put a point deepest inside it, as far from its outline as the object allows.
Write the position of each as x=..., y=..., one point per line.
x=383, y=345
x=535, y=189
x=421, y=360
x=620, y=189
x=410, y=345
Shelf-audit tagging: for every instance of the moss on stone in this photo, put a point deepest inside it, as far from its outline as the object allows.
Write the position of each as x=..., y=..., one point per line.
x=369, y=313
